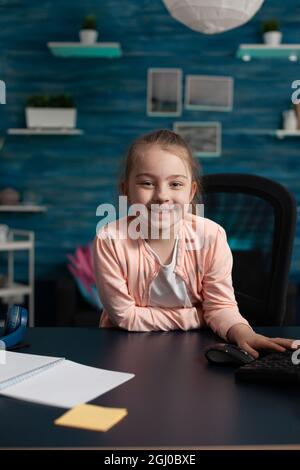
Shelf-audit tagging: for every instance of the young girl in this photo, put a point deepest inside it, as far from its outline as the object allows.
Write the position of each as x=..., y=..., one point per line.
x=149, y=281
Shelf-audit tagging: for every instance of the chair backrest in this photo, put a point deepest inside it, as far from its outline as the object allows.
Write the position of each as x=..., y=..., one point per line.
x=259, y=217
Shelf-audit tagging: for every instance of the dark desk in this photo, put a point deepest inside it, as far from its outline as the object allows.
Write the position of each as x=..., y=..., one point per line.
x=175, y=400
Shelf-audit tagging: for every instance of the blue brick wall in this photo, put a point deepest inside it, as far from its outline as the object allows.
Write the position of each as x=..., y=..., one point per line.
x=73, y=175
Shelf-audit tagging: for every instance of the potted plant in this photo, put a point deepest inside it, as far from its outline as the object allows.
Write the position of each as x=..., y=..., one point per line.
x=88, y=33
x=50, y=111
x=271, y=32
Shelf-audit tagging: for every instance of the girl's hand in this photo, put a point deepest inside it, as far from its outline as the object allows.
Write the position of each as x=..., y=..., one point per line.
x=251, y=342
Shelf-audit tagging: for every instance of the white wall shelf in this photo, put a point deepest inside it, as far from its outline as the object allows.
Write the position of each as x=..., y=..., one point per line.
x=279, y=133
x=44, y=131
x=109, y=50
x=22, y=208
x=19, y=240
x=246, y=52
x=247, y=131
x=282, y=133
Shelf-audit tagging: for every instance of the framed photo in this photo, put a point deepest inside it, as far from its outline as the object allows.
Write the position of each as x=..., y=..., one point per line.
x=2, y=92
x=210, y=93
x=164, y=92
x=204, y=138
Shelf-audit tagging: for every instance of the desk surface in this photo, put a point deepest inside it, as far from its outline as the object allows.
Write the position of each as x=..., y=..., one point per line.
x=175, y=399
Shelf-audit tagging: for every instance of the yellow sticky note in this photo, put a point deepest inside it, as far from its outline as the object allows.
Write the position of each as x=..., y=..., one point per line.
x=92, y=417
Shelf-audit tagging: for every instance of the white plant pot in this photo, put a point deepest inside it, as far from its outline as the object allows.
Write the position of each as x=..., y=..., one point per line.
x=51, y=117
x=272, y=38
x=290, y=122
x=88, y=36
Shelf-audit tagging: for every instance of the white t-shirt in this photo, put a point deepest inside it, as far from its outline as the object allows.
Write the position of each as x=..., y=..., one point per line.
x=168, y=289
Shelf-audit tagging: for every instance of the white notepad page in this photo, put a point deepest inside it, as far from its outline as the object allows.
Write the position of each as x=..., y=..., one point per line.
x=18, y=366
x=66, y=384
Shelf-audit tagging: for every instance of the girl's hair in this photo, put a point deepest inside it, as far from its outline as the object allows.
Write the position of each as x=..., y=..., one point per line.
x=167, y=140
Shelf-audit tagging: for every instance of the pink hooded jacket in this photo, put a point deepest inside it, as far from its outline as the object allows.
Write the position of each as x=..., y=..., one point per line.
x=124, y=269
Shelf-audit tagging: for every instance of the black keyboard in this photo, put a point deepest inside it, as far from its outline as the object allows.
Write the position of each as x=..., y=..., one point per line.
x=272, y=368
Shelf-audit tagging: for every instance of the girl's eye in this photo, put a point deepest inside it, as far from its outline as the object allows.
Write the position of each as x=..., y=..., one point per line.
x=175, y=184
x=146, y=183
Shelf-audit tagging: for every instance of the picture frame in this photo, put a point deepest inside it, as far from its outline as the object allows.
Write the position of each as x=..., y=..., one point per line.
x=204, y=138
x=2, y=92
x=209, y=93
x=164, y=92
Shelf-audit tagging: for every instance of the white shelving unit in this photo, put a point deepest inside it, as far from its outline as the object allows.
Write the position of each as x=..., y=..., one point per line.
x=19, y=240
x=22, y=208
x=44, y=131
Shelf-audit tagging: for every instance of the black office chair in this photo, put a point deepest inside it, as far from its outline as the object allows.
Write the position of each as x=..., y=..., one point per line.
x=259, y=217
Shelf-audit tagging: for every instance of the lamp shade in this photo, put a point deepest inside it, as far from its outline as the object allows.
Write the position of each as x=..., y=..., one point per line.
x=213, y=16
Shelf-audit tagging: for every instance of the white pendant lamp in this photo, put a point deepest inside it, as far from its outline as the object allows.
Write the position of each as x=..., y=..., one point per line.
x=213, y=16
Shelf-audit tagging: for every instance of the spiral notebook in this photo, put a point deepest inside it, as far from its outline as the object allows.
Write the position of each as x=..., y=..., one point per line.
x=55, y=381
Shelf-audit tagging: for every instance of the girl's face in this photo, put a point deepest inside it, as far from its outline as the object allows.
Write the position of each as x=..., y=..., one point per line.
x=162, y=178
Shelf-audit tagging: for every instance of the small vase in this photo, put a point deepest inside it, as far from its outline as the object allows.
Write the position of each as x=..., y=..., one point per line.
x=88, y=36
x=272, y=38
